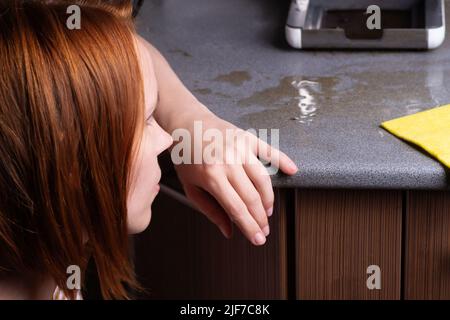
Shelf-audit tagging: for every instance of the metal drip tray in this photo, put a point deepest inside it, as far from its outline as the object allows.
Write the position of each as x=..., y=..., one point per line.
x=404, y=24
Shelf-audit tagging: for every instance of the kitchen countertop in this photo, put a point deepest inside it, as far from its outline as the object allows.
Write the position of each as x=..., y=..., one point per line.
x=327, y=104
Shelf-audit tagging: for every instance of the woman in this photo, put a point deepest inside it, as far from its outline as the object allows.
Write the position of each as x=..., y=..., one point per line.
x=79, y=139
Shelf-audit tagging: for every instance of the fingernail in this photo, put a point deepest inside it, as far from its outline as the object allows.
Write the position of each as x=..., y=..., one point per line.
x=266, y=230
x=269, y=211
x=259, y=239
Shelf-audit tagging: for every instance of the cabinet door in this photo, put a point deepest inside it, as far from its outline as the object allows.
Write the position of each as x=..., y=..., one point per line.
x=427, y=245
x=183, y=256
x=339, y=234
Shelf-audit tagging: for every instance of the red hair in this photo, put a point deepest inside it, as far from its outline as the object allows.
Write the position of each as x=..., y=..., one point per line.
x=71, y=114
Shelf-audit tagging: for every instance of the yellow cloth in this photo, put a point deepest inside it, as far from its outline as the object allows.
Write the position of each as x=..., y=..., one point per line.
x=429, y=130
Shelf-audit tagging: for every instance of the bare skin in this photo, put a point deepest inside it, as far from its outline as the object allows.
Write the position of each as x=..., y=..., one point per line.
x=224, y=193
x=240, y=193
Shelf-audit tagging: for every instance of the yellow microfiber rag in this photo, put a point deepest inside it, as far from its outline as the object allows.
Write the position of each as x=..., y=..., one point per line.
x=429, y=130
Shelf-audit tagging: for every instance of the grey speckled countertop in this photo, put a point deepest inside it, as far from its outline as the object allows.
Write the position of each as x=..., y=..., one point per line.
x=327, y=105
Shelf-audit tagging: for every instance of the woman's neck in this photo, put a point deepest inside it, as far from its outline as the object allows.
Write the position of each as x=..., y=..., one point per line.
x=36, y=287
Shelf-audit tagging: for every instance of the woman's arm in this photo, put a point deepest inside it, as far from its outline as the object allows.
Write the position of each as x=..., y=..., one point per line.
x=176, y=102
x=238, y=192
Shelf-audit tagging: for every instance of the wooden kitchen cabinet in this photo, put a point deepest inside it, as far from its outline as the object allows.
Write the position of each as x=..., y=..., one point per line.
x=184, y=256
x=339, y=234
x=320, y=246
x=427, y=245
x=362, y=212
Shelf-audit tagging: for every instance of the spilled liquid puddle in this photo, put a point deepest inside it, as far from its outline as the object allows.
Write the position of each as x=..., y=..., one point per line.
x=414, y=107
x=273, y=96
x=365, y=98
x=394, y=94
x=182, y=52
x=236, y=78
x=303, y=97
x=208, y=91
x=203, y=91
x=307, y=102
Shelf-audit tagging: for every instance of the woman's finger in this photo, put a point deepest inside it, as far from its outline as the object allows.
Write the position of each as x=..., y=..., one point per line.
x=222, y=190
x=210, y=208
x=262, y=182
x=251, y=197
x=277, y=158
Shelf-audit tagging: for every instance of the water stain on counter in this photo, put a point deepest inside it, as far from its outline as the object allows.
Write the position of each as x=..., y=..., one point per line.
x=235, y=78
x=277, y=95
x=302, y=96
x=365, y=97
x=182, y=52
x=392, y=94
x=203, y=91
x=208, y=91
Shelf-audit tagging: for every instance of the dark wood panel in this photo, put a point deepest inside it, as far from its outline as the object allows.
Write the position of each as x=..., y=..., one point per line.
x=427, y=267
x=339, y=234
x=183, y=256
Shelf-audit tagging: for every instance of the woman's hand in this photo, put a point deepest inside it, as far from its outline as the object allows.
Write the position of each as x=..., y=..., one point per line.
x=225, y=191
x=233, y=185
